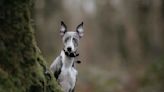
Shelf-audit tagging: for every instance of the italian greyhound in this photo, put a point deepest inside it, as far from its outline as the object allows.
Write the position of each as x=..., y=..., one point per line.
x=63, y=67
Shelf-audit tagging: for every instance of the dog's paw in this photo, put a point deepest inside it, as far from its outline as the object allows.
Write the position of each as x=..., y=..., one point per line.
x=47, y=73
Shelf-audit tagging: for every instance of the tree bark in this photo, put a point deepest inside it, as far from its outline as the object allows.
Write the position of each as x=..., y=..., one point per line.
x=22, y=68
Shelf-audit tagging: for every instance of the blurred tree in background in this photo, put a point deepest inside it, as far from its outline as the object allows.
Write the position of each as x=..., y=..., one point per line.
x=123, y=45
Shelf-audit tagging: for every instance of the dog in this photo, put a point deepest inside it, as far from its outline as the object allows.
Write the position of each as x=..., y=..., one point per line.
x=63, y=67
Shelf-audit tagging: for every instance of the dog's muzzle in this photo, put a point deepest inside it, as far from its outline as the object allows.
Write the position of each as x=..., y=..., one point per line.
x=71, y=54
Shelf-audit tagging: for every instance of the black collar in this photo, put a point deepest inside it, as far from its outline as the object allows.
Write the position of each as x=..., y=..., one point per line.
x=75, y=54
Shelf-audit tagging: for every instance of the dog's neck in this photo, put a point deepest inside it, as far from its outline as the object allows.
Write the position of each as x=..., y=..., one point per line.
x=67, y=61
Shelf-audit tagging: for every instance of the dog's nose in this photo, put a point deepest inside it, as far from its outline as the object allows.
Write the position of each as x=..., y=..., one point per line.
x=69, y=49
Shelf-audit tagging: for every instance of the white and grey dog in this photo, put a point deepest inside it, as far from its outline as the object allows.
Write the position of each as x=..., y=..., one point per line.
x=63, y=66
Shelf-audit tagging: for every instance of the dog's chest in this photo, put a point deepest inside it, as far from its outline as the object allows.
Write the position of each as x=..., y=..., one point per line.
x=67, y=77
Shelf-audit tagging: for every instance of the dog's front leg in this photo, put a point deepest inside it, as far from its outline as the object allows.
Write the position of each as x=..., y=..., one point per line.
x=55, y=67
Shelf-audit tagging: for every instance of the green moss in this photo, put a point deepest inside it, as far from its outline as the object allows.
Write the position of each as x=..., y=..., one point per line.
x=22, y=67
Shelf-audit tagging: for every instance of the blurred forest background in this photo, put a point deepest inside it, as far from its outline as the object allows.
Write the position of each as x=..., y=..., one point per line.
x=123, y=45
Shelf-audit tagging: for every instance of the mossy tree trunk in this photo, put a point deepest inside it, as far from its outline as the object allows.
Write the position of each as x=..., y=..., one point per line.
x=22, y=68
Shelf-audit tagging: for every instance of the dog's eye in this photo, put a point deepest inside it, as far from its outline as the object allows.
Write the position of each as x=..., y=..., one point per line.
x=75, y=41
x=66, y=39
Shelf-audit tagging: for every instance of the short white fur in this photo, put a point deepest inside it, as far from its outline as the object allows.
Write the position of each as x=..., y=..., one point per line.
x=68, y=73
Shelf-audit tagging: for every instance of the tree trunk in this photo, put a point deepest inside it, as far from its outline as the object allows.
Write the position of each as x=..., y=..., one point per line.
x=22, y=68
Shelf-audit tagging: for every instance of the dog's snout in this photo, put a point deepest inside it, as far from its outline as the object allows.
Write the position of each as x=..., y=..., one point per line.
x=69, y=49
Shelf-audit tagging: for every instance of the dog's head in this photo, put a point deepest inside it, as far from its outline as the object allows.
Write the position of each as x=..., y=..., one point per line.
x=71, y=39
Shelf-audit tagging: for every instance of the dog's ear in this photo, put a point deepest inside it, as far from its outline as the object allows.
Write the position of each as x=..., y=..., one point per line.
x=80, y=30
x=63, y=29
